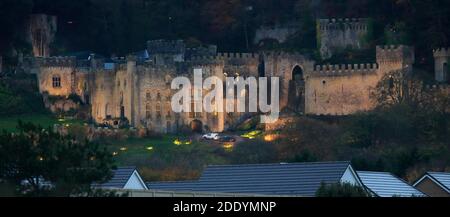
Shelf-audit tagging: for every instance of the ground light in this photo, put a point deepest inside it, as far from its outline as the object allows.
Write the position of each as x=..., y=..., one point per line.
x=181, y=142
x=177, y=142
x=252, y=134
x=228, y=146
x=150, y=148
x=270, y=137
x=123, y=148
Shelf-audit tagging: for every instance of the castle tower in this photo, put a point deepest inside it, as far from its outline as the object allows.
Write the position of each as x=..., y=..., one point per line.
x=391, y=58
x=441, y=67
x=166, y=51
x=42, y=30
x=334, y=35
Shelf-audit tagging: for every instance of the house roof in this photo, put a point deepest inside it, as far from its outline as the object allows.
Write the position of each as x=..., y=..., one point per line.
x=265, y=179
x=385, y=184
x=172, y=186
x=440, y=178
x=120, y=178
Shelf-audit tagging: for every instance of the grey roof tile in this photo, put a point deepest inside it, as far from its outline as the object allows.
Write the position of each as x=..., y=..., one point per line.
x=442, y=177
x=270, y=179
x=385, y=184
x=119, y=179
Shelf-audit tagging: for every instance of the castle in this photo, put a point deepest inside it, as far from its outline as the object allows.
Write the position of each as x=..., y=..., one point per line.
x=136, y=89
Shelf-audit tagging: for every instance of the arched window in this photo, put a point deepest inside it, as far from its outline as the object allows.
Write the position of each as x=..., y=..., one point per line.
x=158, y=110
x=169, y=114
x=148, y=109
x=158, y=96
x=148, y=96
x=56, y=81
x=107, y=113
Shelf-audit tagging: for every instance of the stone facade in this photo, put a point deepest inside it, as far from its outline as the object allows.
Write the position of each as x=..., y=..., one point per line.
x=42, y=30
x=139, y=91
x=136, y=90
x=280, y=33
x=442, y=68
x=334, y=35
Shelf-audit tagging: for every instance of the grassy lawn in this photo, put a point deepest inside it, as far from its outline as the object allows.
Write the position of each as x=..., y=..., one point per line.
x=161, y=159
x=44, y=120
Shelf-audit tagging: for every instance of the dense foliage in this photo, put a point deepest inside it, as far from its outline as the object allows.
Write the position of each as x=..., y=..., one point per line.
x=20, y=95
x=40, y=162
x=341, y=190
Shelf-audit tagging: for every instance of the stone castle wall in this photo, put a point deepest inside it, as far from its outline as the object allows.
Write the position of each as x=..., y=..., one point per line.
x=280, y=33
x=334, y=35
x=137, y=90
x=141, y=93
x=442, y=68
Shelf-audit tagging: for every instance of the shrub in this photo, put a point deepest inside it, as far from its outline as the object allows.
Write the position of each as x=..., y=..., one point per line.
x=341, y=190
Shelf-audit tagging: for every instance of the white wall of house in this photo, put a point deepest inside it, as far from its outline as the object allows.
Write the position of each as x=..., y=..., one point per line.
x=350, y=177
x=135, y=182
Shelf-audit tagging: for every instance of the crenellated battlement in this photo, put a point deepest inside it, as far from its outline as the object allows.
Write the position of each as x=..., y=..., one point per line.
x=228, y=56
x=345, y=69
x=441, y=52
x=66, y=61
x=343, y=24
x=394, y=53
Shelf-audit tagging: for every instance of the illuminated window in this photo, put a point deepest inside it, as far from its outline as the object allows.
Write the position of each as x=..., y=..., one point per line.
x=56, y=81
x=169, y=115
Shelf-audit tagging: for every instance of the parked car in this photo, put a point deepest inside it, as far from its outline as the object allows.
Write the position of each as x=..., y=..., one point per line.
x=227, y=139
x=211, y=136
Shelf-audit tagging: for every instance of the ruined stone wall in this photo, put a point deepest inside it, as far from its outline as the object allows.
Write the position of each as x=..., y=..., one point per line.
x=42, y=30
x=441, y=67
x=278, y=33
x=334, y=35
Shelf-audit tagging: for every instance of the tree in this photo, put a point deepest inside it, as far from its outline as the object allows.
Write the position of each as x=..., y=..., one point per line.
x=398, y=87
x=33, y=156
x=341, y=190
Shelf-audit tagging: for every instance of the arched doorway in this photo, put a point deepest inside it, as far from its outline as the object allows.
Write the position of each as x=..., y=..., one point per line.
x=196, y=126
x=296, y=97
x=297, y=73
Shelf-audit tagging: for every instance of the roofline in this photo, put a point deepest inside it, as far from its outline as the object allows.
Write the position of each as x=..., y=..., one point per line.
x=429, y=176
x=139, y=177
x=353, y=171
x=280, y=163
x=398, y=179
